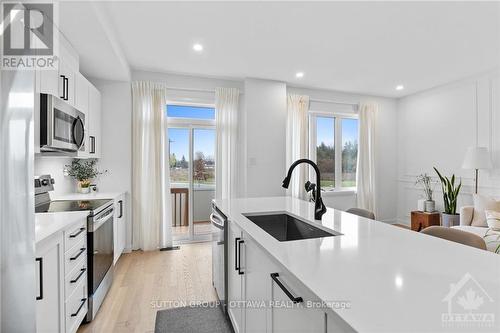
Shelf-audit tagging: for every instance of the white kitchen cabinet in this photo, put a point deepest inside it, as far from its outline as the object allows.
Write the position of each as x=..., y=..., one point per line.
x=61, y=277
x=50, y=285
x=235, y=277
x=258, y=292
x=82, y=86
x=94, y=124
x=119, y=227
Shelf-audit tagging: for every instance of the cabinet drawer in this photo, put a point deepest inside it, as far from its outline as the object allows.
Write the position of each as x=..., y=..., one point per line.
x=73, y=257
x=76, y=307
x=75, y=277
x=74, y=235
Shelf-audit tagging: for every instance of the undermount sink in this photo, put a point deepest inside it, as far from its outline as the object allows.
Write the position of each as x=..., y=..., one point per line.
x=285, y=227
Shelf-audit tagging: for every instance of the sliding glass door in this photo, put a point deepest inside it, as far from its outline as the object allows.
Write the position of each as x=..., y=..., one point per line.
x=192, y=173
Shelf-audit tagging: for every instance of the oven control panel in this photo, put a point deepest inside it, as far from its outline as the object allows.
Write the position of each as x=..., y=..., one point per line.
x=43, y=184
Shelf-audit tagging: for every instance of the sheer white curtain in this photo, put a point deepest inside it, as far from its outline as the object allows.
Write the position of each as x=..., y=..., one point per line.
x=226, y=106
x=297, y=143
x=151, y=202
x=366, y=171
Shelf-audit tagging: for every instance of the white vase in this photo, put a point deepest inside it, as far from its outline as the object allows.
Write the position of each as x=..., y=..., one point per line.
x=430, y=206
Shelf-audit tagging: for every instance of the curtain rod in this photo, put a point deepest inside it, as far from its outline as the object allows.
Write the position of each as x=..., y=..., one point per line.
x=194, y=90
x=333, y=102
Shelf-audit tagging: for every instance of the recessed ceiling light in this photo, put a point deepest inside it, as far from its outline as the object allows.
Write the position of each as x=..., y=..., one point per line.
x=400, y=87
x=299, y=75
x=198, y=47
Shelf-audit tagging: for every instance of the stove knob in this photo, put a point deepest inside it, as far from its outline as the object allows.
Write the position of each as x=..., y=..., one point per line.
x=45, y=182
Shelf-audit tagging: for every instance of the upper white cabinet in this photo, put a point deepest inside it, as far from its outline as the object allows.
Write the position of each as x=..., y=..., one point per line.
x=94, y=127
x=82, y=86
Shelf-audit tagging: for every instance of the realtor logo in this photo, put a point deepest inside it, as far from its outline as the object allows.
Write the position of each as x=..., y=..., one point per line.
x=468, y=305
x=27, y=31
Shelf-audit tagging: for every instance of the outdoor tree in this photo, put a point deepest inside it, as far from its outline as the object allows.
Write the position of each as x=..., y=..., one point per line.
x=183, y=164
x=173, y=161
x=200, y=172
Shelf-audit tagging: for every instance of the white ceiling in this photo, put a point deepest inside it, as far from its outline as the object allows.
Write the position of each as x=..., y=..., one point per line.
x=355, y=47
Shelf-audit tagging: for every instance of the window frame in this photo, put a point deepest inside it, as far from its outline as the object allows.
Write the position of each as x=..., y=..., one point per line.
x=337, y=116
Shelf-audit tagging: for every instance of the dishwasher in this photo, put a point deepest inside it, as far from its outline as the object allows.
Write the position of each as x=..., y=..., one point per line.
x=219, y=255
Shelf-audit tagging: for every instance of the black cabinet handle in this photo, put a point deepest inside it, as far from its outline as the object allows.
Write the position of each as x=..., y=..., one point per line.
x=64, y=87
x=239, y=257
x=67, y=88
x=78, y=255
x=76, y=235
x=79, y=308
x=236, y=253
x=121, y=208
x=40, y=274
x=92, y=144
x=294, y=299
x=82, y=271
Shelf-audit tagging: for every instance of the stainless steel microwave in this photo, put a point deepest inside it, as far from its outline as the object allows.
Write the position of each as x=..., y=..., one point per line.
x=62, y=127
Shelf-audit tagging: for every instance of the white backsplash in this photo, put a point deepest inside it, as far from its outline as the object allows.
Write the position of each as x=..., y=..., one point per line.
x=54, y=166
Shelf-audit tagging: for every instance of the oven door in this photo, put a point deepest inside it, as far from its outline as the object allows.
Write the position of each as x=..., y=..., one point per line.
x=62, y=127
x=100, y=245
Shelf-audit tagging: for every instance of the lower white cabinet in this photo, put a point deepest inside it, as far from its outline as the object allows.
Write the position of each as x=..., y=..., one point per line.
x=119, y=226
x=235, y=277
x=62, y=280
x=50, y=285
x=264, y=297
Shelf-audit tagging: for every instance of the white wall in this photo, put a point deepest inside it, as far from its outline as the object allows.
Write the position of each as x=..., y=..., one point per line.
x=263, y=141
x=436, y=127
x=116, y=153
x=54, y=166
x=386, y=159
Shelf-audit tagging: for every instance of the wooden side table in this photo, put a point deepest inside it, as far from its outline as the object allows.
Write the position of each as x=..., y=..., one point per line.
x=422, y=220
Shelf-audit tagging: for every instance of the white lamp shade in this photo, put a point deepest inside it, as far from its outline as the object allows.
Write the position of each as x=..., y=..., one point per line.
x=477, y=158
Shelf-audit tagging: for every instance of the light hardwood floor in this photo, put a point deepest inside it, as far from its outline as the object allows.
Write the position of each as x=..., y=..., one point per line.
x=148, y=281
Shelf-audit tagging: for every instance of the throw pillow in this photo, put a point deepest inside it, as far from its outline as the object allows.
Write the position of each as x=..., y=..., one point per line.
x=481, y=204
x=493, y=219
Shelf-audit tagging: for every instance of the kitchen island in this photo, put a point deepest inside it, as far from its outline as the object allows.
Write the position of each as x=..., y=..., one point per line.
x=372, y=277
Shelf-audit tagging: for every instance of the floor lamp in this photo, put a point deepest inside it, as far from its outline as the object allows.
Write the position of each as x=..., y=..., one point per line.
x=477, y=158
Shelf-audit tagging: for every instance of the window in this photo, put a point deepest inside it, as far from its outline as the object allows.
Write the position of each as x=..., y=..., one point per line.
x=334, y=147
x=191, y=112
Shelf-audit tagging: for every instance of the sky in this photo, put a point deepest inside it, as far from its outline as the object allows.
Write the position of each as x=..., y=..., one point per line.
x=204, y=139
x=325, y=130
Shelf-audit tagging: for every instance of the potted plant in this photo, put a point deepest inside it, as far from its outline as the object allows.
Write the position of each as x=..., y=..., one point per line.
x=450, y=196
x=426, y=182
x=83, y=171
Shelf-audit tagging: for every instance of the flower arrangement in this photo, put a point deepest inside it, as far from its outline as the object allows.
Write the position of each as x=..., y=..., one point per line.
x=83, y=171
x=427, y=185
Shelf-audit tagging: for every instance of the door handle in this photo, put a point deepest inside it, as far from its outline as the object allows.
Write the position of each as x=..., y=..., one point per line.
x=236, y=268
x=79, y=308
x=78, y=255
x=75, y=280
x=64, y=87
x=275, y=277
x=40, y=274
x=239, y=257
x=121, y=208
x=76, y=235
x=67, y=88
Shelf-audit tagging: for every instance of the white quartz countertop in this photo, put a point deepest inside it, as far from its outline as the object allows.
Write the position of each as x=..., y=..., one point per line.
x=47, y=224
x=395, y=279
x=87, y=196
